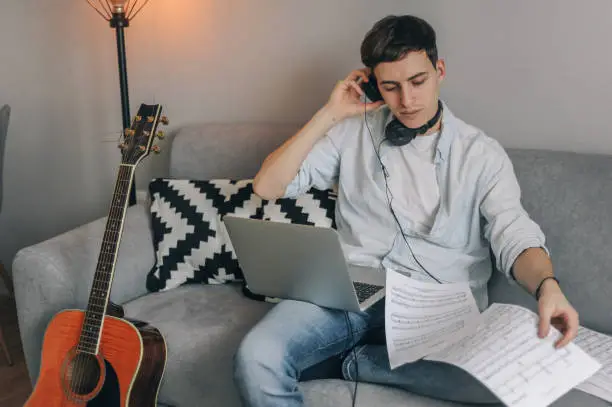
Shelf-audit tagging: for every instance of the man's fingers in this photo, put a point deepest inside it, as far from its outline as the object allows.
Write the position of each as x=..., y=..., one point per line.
x=373, y=105
x=359, y=108
x=356, y=74
x=544, y=324
x=565, y=339
x=570, y=329
x=356, y=87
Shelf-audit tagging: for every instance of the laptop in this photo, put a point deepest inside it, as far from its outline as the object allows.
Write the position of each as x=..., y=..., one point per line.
x=302, y=262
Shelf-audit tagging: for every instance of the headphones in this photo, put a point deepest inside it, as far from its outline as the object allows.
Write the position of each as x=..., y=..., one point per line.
x=396, y=132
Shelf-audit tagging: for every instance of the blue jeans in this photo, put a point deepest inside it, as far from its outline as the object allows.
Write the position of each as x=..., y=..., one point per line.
x=297, y=335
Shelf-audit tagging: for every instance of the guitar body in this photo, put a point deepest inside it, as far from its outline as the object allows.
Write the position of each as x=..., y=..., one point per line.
x=127, y=370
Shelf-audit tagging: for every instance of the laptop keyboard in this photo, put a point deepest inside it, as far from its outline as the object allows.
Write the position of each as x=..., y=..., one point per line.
x=365, y=291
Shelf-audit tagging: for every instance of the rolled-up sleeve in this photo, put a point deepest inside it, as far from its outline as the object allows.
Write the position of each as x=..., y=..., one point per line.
x=509, y=228
x=319, y=169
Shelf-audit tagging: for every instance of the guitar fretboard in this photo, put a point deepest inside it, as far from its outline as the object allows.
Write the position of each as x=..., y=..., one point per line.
x=100, y=290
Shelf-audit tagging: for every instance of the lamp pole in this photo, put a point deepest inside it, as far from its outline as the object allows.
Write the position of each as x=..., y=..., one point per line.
x=119, y=22
x=119, y=13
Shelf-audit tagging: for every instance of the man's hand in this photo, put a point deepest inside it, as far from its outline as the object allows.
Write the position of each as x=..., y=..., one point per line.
x=345, y=100
x=555, y=309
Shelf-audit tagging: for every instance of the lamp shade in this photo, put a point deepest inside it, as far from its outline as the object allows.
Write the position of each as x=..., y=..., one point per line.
x=129, y=8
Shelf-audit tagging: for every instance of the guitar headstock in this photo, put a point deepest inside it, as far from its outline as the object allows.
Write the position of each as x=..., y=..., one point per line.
x=138, y=139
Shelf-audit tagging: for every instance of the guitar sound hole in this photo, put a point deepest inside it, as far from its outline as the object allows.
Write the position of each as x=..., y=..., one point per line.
x=82, y=375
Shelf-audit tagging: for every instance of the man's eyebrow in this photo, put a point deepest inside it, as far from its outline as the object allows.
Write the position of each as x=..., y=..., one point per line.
x=409, y=79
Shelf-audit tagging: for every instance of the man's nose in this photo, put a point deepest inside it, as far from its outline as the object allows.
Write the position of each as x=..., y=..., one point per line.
x=406, y=96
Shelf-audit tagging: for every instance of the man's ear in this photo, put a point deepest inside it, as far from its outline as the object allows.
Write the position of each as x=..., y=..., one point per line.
x=441, y=69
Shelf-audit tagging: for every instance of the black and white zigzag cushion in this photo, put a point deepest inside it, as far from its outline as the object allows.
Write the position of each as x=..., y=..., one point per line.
x=315, y=207
x=190, y=240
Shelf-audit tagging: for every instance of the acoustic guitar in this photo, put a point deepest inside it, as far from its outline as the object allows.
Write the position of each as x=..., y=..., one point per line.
x=96, y=357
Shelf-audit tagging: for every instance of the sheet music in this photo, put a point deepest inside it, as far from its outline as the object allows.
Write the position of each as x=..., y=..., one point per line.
x=599, y=346
x=520, y=368
x=422, y=318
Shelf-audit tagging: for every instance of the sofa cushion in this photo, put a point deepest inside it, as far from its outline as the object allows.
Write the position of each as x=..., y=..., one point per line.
x=202, y=326
x=190, y=239
x=314, y=207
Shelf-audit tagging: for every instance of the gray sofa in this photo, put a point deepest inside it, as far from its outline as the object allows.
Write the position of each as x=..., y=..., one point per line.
x=568, y=194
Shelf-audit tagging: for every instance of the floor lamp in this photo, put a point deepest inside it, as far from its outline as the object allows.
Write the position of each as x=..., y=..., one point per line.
x=119, y=13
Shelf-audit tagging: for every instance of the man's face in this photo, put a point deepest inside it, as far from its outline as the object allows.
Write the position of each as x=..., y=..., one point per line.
x=410, y=87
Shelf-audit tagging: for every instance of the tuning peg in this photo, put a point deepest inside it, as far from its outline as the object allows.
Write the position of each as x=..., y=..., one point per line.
x=161, y=135
x=156, y=149
x=164, y=120
x=142, y=148
x=129, y=132
x=138, y=118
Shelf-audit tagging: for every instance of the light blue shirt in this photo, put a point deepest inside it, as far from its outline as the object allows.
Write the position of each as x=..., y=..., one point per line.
x=479, y=206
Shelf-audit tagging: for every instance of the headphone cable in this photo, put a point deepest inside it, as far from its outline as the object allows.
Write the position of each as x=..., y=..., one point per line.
x=350, y=338
x=390, y=199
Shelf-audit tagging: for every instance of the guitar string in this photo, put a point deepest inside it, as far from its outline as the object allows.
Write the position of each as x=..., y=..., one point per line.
x=97, y=285
x=118, y=196
x=78, y=369
x=103, y=274
x=102, y=282
x=101, y=277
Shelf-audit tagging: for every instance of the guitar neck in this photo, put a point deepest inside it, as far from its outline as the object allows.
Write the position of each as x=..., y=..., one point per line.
x=103, y=277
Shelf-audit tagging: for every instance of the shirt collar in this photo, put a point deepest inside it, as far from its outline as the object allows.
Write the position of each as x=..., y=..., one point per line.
x=447, y=134
x=447, y=131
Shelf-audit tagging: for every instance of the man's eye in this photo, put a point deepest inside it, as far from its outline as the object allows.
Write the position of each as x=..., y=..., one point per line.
x=419, y=83
x=390, y=89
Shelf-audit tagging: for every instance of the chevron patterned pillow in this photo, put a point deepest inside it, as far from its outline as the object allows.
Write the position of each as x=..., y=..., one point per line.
x=190, y=240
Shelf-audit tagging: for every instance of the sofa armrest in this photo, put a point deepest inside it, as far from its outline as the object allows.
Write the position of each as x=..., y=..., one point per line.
x=57, y=274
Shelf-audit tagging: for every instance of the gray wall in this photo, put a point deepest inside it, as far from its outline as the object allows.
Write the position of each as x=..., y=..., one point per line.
x=532, y=74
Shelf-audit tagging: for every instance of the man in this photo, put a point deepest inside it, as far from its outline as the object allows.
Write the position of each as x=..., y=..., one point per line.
x=430, y=208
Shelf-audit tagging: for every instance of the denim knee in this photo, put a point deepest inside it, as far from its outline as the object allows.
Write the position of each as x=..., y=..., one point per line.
x=260, y=361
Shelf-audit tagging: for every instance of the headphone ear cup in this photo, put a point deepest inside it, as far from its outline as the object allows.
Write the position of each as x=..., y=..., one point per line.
x=370, y=88
x=398, y=134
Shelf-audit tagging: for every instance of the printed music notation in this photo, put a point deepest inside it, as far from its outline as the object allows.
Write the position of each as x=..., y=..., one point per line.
x=499, y=347
x=520, y=368
x=599, y=346
x=422, y=318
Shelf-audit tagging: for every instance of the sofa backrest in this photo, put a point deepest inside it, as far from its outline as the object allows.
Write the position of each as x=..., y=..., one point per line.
x=568, y=194
x=219, y=150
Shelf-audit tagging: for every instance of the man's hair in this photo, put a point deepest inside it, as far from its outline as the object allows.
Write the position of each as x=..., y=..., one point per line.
x=392, y=37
